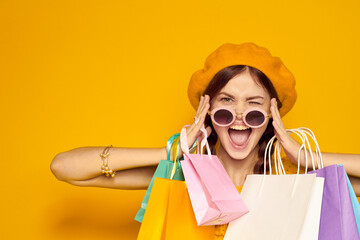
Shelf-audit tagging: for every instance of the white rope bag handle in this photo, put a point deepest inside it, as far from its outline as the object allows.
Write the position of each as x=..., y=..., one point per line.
x=303, y=134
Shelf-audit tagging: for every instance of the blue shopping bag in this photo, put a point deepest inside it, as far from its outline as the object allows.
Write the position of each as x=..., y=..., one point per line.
x=355, y=204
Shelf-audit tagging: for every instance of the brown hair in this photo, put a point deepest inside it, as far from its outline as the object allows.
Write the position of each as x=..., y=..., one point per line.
x=219, y=81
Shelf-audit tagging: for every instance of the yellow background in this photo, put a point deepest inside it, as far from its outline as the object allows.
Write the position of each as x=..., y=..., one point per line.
x=95, y=73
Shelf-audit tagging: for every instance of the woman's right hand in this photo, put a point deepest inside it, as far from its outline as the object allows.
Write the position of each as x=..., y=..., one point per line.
x=193, y=132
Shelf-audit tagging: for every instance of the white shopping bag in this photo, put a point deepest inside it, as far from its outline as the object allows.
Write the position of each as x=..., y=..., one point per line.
x=281, y=207
x=310, y=229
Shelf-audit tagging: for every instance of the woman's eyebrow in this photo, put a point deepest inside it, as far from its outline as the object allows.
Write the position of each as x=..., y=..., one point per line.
x=254, y=97
x=247, y=99
x=227, y=94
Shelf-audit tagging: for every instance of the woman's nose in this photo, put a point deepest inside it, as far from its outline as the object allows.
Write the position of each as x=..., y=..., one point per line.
x=239, y=110
x=239, y=115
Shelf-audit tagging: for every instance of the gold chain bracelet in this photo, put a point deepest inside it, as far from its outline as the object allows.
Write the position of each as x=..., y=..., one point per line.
x=105, y=167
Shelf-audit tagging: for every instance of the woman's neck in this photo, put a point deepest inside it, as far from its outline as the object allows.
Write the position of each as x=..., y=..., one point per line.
x=238, y=169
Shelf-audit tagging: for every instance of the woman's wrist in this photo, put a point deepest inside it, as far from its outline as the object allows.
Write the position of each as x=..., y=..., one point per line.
x=291, y=149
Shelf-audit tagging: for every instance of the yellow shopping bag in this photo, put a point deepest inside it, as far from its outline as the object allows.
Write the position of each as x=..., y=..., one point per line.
x=181, y=222
x=169, y=214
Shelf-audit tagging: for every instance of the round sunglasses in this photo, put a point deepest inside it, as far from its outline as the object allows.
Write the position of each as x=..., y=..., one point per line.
x=253, y=117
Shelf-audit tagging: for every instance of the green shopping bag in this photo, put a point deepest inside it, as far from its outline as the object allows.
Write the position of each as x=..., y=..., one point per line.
x=163, y=170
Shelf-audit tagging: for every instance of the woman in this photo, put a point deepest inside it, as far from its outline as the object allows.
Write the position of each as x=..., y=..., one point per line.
x=237, y=78
x=226, y=81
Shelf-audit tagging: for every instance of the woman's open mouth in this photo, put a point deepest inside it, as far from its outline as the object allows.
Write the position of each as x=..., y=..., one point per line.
x=239, y=136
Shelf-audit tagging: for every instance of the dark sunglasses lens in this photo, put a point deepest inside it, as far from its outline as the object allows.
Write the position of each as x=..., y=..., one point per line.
x=255, y=118
x=223, y=117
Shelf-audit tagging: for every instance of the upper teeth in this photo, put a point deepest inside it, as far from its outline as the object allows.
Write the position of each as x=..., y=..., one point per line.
x=239, y=127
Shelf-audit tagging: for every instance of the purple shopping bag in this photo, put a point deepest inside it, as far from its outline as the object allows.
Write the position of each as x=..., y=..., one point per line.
x=337, y=221
x=214, y=197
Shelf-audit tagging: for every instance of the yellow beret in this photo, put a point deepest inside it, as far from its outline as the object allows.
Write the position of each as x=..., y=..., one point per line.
x=245, y=54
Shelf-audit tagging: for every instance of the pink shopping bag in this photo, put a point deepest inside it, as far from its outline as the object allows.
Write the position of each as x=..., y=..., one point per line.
x=214, y=197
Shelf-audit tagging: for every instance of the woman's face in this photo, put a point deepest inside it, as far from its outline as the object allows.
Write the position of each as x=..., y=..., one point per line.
x=240, y=94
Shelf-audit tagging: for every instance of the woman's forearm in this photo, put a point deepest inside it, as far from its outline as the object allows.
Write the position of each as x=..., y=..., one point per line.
x=85, y=162
x=351, y=162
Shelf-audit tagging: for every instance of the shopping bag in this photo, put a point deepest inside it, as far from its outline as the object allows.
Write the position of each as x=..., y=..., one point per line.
x=355, y=204
x=163, y=170
x=278, y=204
x=169, y=212
x=336, y=219
x=213, y=195
x=310, y=229
x=152, y=225
x=181, y=222
x=330, y=221
x=337, y=212
x=350, y=230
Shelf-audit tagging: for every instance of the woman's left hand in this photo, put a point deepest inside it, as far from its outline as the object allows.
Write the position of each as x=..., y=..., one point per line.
x=291, y=147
